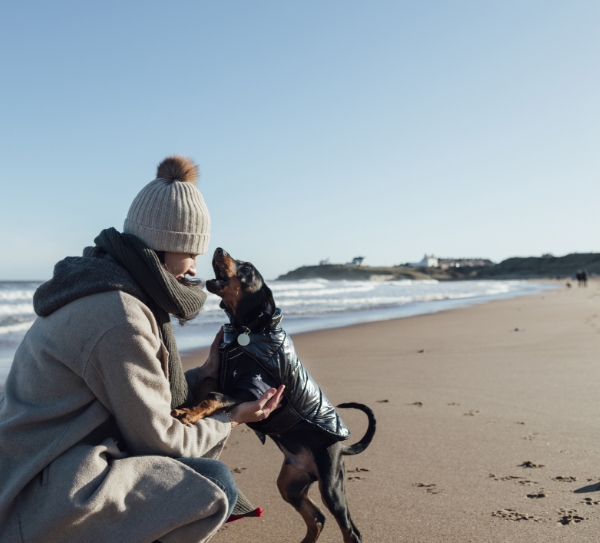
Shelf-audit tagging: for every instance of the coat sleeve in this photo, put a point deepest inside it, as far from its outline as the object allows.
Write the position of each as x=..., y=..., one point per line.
x=126, y=375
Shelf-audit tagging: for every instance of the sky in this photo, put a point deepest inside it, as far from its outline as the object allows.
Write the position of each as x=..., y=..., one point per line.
x=323, y=129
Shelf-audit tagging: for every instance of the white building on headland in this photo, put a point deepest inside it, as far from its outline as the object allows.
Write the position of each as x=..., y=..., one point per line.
x=429, y=261
x=358, y=261
x=464, y=262
x=324, y=262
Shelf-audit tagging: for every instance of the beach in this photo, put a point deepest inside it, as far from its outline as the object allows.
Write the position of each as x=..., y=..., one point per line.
x=465, y=400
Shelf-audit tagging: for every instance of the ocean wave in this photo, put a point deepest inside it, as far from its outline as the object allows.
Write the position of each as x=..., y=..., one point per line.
x=16, y=328
x=14, y=295
x=318, y=299
x=16, y=309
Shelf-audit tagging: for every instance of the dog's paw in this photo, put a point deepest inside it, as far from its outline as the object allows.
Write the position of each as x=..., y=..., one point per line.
x=183, y=415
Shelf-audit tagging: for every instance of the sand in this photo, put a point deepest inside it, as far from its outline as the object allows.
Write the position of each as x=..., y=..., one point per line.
x=465, y=401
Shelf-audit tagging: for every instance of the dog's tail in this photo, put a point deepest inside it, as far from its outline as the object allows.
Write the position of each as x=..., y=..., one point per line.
x=361, y=445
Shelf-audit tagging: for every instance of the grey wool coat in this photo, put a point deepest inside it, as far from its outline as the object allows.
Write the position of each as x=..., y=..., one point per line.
x=90, y=459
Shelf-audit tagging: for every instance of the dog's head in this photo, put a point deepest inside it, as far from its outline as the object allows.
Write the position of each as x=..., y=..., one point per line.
x=241, y=288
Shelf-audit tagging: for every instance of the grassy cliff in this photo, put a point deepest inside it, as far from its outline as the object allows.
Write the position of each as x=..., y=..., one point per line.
x=365, y=273
x=511, y=268
x=544, y=266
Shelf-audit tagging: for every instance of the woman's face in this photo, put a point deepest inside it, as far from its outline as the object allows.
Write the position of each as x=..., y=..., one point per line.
x=180, y=264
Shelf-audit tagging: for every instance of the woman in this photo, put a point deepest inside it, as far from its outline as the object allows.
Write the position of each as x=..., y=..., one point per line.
x=88, y=449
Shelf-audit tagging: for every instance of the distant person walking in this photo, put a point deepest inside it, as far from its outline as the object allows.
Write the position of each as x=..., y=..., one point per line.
x=582, y=278
x=89, y=452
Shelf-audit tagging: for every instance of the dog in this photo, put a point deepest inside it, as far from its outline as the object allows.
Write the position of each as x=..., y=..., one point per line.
x=256, y=354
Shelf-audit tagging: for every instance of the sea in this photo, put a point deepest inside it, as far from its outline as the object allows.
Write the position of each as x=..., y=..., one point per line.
x=307, y=305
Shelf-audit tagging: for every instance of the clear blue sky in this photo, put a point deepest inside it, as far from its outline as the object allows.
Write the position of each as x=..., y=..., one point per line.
x=329, y=128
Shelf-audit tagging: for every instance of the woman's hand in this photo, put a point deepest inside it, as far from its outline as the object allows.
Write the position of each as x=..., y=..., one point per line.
x=210, y=368
x=257, y=410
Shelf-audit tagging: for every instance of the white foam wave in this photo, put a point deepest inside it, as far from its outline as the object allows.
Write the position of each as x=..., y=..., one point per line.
x=16, y=328
x=13, y=295
x=16, y=309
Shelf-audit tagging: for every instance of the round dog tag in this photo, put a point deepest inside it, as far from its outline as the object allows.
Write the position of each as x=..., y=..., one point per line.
x=243, y=339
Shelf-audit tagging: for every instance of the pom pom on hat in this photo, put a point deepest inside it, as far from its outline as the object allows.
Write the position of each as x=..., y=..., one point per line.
x=170, y=216
x=177, y=168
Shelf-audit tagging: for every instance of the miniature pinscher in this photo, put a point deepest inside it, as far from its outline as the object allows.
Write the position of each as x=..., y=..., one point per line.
x=307, y=429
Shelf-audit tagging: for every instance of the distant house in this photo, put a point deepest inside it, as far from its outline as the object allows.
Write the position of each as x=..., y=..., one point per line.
x=464, y=262
x=358, y=261
x=324, y=262
x=429, y=261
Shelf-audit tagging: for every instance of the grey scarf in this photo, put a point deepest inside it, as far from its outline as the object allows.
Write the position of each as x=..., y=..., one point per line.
x=123, y=262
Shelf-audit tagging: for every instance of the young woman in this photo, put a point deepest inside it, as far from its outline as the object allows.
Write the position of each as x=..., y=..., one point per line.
x=88, y=449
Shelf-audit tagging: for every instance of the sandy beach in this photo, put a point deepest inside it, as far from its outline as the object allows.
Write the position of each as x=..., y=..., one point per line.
x=499, y=387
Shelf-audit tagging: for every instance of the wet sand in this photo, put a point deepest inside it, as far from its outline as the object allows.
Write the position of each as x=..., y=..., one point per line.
x=488, y=426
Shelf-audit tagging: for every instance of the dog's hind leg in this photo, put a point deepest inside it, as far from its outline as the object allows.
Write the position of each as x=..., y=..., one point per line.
x=330, y=464
x=294, y=484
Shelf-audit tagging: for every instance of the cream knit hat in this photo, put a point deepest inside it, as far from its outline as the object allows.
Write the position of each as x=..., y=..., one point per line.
x=169, y=213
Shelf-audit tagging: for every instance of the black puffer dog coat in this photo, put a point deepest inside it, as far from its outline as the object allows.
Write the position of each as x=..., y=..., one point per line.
x=274, y=352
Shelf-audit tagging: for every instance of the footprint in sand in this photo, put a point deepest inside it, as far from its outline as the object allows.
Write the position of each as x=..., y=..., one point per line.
x=505, y=478
x=471, y=413
x=453, y=403
x=590, y=501
x=531, y=465
x=418, y=404
x=527, y=482
x=537, y=495
x=562, y=479
x=356, y=477
x=238, y=470
x=519, y=422
x=512, y=514
x=520, y=480
x=569, y=516
x=383, y=401
x=431, y=488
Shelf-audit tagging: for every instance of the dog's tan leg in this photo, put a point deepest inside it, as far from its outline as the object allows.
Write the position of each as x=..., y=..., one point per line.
x=190, y=415
x=294, y=484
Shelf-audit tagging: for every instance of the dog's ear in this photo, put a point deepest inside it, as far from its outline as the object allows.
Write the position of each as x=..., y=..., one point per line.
x=269, y=303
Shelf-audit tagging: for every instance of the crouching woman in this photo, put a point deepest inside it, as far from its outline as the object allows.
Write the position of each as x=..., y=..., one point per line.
x=89, y=452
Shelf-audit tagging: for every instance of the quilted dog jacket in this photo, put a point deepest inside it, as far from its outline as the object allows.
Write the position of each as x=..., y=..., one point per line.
x=273, y=350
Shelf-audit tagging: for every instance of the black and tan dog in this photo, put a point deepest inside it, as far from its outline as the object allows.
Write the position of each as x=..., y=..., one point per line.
x=256, y=355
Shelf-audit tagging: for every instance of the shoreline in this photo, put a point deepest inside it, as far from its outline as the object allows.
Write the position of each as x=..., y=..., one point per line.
x=411, y=310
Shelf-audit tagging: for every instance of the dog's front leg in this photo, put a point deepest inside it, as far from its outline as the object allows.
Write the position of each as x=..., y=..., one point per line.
x=210, y=404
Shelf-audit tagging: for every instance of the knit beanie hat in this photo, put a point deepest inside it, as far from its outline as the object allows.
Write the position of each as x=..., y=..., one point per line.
x=169, y=213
